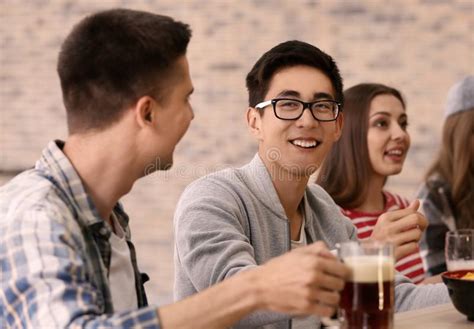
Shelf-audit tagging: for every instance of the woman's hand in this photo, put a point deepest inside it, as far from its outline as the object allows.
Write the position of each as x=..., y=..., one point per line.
x=401, y=227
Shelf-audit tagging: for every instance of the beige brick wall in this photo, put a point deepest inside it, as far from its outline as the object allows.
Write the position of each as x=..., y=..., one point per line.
x=421, y=47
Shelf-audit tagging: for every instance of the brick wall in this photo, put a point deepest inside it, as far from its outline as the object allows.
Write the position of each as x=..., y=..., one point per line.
x=421, y=47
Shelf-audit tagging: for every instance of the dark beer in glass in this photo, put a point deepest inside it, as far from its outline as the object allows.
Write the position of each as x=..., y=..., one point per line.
x=367, y=300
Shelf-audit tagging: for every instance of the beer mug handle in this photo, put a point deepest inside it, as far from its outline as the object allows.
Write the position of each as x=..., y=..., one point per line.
x=335, y=321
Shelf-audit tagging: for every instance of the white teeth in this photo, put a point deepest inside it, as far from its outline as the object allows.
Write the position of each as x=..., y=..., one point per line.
x=304, y=143
x=395, y=152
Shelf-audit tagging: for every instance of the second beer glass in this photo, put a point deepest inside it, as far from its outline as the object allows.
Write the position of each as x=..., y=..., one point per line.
x=459, y=250
x=367, y=300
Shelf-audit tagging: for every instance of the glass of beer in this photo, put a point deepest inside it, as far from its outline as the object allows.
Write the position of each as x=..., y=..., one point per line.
x=367, y=300
x=459, y=250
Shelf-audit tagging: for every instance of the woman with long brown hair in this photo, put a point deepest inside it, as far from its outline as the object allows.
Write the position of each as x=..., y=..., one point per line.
x=448, y=190
x=373, y=146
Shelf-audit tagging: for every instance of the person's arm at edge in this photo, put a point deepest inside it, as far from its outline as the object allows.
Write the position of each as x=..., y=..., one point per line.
x=219, y=306
x=312, y=287
x=409, y=296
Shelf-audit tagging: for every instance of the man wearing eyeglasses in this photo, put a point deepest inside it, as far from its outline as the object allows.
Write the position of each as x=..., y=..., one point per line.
x=240, y=219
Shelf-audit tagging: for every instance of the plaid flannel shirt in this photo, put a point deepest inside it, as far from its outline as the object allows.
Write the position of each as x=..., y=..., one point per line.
x=55, y=253
x=435, y=195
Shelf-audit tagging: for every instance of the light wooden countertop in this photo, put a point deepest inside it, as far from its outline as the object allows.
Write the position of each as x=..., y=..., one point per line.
x=443, y=316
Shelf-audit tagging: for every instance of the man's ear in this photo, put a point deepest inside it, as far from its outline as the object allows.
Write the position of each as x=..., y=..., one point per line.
x=339, y=126
x=144, y=111
x=254, y=121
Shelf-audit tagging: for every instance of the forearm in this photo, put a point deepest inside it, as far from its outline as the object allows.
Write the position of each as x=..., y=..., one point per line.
x=219, y=306
x=79, y=307
x=409, y=296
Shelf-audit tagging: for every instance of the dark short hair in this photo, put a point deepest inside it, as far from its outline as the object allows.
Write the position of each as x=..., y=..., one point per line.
x=347, y=167
x=112, y=58
x=288, y=54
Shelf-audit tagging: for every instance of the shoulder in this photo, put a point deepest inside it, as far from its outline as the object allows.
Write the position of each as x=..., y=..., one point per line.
x=30, y=201
x=214, y=203
x=326, y=208
x=319, y=194
x=28, y=190
x=222, y=183
x=434, y=188
x=223, y=189
x=394, y=200
x=435, y=193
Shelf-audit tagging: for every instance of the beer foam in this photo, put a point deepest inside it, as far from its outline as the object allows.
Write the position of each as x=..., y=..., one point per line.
x=456, y=265
x=365, y=268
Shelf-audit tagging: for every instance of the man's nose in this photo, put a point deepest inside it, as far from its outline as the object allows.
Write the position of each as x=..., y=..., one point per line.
x=307, y=118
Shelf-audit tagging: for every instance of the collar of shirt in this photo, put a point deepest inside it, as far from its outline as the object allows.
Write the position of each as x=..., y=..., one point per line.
x=57, y=168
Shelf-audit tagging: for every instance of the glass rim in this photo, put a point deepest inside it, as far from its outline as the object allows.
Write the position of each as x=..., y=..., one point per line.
x=367, y=248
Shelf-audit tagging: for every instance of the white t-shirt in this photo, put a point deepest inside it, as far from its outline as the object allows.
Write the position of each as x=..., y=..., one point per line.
x=121, y=275
x=305, y=322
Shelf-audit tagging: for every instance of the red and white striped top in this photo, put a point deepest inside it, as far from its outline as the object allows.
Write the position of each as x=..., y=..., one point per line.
x=411, y=266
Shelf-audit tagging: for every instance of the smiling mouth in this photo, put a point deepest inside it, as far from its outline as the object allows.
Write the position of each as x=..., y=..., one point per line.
x=306, y=144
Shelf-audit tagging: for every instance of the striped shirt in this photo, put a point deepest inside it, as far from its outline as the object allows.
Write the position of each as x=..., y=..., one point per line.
x=55, y=253
x=412, y=265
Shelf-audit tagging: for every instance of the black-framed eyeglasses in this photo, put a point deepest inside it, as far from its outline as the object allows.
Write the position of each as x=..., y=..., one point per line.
x=292, y=109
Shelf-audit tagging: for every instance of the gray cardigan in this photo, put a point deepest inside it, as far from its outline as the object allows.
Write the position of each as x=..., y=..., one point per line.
x=232, y=220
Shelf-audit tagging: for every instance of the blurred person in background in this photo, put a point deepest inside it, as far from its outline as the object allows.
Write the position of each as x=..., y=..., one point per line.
x=448, y=191
x=373, y=146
